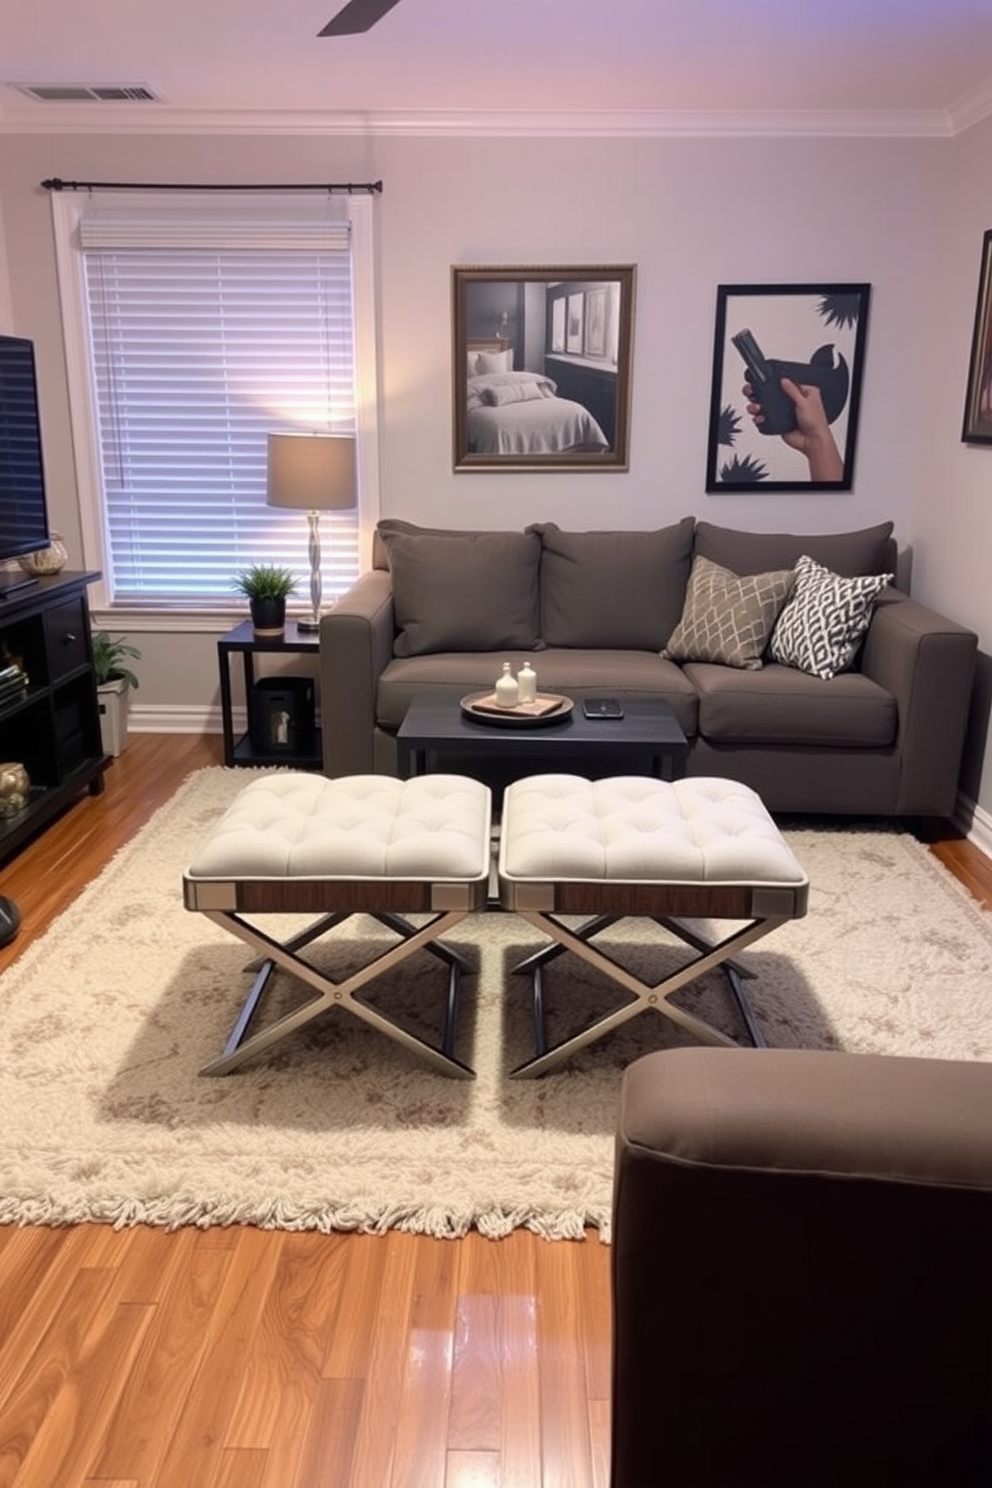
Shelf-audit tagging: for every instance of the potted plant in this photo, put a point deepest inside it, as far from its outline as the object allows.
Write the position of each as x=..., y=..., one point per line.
x=114, y=681
x=267, y=588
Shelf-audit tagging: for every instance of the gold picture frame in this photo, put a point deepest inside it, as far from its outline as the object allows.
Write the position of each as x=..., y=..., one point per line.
x=541, y=366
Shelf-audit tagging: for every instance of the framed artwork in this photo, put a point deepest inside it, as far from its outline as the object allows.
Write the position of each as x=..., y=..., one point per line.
x=977, y=427
x=541, y=360
x=597, y=305
x=787, y=368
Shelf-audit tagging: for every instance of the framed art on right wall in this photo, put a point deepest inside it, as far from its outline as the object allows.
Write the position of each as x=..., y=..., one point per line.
x=786, y=393
x=977, y=427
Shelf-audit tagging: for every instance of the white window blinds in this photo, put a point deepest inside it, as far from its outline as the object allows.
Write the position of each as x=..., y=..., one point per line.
x=213, y=322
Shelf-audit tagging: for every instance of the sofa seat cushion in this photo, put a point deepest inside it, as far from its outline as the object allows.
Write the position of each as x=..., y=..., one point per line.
x=780, y=705
x=576, y=673
x=614, y=589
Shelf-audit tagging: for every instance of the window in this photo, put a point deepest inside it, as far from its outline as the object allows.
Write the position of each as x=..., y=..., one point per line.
x=196, y=324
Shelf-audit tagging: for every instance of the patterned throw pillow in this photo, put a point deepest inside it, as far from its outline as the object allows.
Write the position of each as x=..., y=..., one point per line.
x=728, y=619
x=821, y=627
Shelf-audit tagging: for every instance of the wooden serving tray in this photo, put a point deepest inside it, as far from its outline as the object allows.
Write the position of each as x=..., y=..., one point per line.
x=547, y=708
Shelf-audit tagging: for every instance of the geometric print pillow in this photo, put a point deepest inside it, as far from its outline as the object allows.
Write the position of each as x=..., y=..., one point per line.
x=728, y=619
x=821, y=627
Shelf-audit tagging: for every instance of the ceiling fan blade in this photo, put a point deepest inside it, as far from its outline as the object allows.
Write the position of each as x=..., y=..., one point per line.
x=357, y=16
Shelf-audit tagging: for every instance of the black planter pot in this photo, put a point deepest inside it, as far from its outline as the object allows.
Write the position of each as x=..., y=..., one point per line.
x=268, y=616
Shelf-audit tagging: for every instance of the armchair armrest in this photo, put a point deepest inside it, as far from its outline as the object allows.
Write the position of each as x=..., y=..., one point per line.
x=356, y=644
x=927, y=663
x=805, y=1233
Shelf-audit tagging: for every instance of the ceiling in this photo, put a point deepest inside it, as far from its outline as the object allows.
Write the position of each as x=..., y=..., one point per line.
x=875, y=66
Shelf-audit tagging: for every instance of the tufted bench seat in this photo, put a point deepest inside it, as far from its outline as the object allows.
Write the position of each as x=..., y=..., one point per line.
x=697, y=848
x=295, y=843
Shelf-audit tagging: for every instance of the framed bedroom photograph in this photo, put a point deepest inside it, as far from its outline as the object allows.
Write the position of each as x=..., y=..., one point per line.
x=788, y=361
x=977, y=427
x=541, y=365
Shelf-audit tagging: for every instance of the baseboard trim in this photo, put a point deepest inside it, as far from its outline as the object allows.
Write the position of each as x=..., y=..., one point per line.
x=974, y=823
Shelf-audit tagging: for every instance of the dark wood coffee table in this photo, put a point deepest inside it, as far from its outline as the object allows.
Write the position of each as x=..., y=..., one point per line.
x=646, y=740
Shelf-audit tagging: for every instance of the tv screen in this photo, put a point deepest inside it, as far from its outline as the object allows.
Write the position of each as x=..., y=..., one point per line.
x=23, y=512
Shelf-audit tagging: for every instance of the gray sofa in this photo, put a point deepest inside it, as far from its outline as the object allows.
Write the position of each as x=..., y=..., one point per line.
x=800, y=1268
x=441, y=609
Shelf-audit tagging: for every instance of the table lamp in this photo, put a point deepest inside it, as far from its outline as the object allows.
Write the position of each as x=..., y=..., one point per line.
x=313, y=473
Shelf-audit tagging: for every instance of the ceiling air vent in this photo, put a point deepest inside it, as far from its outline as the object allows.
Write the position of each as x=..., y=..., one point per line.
x=88, y=92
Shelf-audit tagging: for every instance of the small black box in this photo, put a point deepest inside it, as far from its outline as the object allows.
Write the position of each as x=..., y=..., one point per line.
x=282, y=715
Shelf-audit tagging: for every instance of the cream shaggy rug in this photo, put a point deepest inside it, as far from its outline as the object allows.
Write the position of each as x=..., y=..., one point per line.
x=105, y=1023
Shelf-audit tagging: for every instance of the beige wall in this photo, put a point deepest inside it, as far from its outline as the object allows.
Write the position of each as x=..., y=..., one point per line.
x=952, y=513
x=691, y=214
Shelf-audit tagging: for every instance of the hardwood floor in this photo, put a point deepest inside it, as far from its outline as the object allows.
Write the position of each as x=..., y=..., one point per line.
x=240, y=1358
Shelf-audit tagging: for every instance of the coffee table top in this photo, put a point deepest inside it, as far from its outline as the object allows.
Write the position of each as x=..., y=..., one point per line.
x=433, y=721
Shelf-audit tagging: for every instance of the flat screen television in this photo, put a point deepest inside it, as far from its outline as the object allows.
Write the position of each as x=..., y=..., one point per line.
x=23, y=509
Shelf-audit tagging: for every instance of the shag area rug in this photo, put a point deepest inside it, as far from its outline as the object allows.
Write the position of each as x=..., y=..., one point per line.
x=106, y=1021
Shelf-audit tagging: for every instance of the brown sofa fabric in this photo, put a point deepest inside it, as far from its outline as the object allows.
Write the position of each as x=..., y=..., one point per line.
x=618, y=590
x=884, y=738
x=871, y=550
x=779, y=705
x=475, y=591
x=800, y=1267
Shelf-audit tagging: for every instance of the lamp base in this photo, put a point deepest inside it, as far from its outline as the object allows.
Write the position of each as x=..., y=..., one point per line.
x=308, y=627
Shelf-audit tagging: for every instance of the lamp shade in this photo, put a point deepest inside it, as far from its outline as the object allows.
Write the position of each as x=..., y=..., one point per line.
x=311, y=472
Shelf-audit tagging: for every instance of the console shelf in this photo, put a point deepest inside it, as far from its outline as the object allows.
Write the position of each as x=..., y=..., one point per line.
x=52, y=728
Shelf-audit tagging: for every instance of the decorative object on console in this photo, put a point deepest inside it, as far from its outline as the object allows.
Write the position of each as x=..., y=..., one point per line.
x=539, y=394
x=312, y=473
x=50, y=560
x=977, y=428
x=15, y=788
x=812, y=334
x=266, y=587
x=527, y=683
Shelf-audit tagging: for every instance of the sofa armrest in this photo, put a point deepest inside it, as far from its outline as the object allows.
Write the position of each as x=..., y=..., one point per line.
x=805, y=1233
x=356, y=644
x=927, y=663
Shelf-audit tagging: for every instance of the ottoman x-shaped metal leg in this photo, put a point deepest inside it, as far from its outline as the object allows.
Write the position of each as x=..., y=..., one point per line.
x=347, y=994
x=645, y=996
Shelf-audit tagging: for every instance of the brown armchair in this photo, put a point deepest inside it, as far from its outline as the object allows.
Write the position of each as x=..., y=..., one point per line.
x=802, y=1272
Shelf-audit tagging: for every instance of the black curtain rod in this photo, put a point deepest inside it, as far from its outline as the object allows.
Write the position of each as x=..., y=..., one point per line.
x=55, y=184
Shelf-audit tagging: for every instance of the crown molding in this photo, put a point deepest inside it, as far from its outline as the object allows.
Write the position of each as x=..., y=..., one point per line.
x=159, y=119
x=971, y=109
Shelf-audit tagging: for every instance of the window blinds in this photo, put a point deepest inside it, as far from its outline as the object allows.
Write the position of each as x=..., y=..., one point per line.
x=210, y=326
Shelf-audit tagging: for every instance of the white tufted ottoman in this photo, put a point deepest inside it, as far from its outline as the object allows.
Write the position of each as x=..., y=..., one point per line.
x=698, y=848
x=296, y=843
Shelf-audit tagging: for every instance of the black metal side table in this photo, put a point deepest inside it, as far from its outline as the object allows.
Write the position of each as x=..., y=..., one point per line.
x=243, y=641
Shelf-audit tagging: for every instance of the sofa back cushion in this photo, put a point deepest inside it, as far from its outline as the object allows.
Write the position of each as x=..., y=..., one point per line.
x=464, y=591
x=619, y=590
x=853, y=554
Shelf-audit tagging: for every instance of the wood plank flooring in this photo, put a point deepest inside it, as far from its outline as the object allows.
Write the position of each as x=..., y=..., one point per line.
x=240, y=1358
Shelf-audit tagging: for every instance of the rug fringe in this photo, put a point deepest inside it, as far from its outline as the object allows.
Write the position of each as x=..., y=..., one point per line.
x=180, y=1213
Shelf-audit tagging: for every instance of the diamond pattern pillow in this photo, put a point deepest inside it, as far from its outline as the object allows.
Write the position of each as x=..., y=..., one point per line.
x=728, y=619
x=821, y=627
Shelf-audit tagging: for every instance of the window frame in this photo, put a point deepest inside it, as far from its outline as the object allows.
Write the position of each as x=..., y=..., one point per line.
x=67, y=210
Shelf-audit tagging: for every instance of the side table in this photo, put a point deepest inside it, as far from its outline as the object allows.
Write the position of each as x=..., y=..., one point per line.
x=243, y=641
